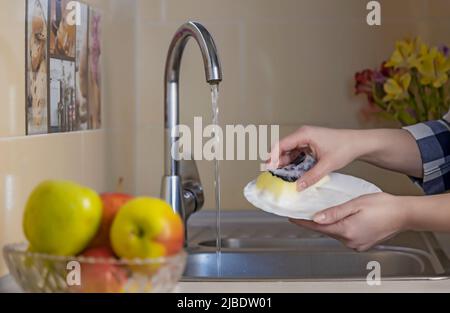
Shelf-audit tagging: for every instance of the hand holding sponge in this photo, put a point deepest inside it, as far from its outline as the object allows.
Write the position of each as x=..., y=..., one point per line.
x=275, y=191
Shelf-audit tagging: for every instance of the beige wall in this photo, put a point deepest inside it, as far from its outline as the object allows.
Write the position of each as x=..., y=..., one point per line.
x=288, y=62
x=94, y=158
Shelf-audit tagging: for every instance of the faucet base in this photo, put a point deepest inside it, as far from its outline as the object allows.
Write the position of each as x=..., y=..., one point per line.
x=172, y=193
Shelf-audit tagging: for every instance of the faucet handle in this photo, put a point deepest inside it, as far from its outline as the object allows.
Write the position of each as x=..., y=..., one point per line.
x=193, y=194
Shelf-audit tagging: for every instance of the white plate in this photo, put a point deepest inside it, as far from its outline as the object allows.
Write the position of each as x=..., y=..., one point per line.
x=338, y=190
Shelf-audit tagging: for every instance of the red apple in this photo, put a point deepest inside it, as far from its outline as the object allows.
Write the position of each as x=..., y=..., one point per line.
x=112, y=202
x=103, y=276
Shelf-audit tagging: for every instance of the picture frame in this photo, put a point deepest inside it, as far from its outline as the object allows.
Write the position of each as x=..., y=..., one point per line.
x=62, y=66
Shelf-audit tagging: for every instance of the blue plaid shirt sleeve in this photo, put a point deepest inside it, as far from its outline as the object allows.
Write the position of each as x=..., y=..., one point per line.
x=433, y=139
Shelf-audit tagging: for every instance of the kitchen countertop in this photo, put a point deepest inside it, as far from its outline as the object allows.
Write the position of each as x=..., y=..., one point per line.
x=319, y=287
x=7, y=285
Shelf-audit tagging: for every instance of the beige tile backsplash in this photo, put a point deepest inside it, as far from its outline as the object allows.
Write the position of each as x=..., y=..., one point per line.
x=288, y=62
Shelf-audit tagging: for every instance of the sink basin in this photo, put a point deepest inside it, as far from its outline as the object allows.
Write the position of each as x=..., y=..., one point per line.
x=256, y=246
x=293, y=265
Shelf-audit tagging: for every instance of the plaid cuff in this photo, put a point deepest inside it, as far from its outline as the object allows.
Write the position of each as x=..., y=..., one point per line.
x=433, y=139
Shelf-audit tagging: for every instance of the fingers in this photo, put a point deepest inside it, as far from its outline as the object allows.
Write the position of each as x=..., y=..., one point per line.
x=305, y=223
x=290, y=143
x=313, y=176
x=335, y=214
x=289, y=148
x=289, y=157
x=333, y=230
x=339, y=231
x=308, y=224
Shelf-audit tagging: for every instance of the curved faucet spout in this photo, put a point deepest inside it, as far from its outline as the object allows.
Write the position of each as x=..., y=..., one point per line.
x=213, y=69
x=213, y=72
x=181, y=186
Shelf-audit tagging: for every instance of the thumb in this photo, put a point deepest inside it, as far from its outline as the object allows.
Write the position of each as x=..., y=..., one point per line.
x=335, y=214
x=313, y=176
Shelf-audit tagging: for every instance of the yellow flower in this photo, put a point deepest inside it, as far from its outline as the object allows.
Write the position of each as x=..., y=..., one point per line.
x=434, y=67
x=407, y=53
x=396, y=88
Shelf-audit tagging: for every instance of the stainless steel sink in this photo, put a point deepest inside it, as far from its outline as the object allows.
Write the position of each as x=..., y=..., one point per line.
x=257, y=246
x=304, y=265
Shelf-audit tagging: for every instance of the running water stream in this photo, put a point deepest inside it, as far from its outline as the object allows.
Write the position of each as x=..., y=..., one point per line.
x=217, y=143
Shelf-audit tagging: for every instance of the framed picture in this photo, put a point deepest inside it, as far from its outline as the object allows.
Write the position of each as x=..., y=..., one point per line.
x=63, y=65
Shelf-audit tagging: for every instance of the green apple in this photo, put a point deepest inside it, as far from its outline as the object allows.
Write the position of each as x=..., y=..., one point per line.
x=146, y=228
x=61, y=218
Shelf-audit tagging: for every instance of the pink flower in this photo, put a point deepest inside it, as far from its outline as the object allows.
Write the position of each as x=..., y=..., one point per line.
x=364, y=84
x=368, y=82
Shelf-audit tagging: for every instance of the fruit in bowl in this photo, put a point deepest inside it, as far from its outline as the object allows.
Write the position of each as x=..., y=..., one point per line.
x=113, y=243
x=44, y=273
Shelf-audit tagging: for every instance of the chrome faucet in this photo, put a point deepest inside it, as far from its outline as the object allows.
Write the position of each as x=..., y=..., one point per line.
x=181, y=186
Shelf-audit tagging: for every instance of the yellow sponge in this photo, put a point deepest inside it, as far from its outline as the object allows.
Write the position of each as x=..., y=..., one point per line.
x=275, y=185
x=279, y=189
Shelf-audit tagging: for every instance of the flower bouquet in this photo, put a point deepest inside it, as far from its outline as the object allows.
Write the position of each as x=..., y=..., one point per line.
x=411, y=87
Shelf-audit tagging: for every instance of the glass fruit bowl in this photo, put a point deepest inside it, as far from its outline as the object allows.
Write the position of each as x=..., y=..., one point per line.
x=43, y=273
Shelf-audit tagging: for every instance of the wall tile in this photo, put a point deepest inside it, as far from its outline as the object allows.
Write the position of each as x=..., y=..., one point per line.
x=94, y=160
x=437, y=9
x=404, y=10
x=150, y=11
x=12, y=63
x=150, y=160
x=274, y=11
x=27, y=161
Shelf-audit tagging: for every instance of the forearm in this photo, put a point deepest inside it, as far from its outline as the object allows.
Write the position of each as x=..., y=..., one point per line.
x=426, y=213
x=392, y=149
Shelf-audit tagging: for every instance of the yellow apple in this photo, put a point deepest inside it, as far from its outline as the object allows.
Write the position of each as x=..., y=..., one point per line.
x=61, y=218
x=146, y=228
